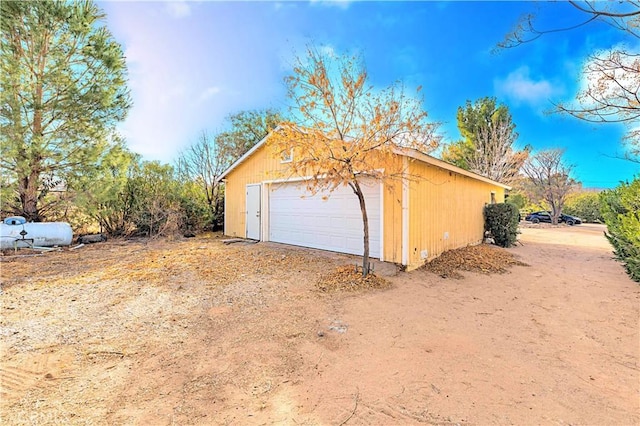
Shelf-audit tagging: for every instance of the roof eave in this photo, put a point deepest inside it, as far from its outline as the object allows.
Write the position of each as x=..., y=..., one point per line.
x=245, y=156
x=426, y=158
x=409, y=152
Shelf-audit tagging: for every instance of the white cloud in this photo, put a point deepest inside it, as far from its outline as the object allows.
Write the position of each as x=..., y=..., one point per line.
x=520, y=87
x=341, y=4
x=285, y=4
x=177, y=86
x=208, y=93
x=178, y=9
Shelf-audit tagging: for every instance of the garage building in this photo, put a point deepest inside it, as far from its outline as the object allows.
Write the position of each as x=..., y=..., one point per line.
x=437, y=207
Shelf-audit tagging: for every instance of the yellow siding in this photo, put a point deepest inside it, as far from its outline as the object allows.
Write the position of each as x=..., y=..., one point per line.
x=392, y=228
x=260, y=166
x=439, y=202
x=392, y=212
x=445, y=210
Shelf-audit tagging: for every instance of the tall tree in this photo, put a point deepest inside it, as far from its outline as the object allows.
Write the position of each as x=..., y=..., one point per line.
x=488, y=135
x=346, y=132
x=549, y=179
x=612, y=77
x=64, y=89
x=245, y=129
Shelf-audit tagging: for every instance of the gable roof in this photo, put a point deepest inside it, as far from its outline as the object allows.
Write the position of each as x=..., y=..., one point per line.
x=426, y=158
x=408, y=152
x=245, y=156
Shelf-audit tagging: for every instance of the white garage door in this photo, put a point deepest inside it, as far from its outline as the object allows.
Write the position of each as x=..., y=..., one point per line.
x=327, y=221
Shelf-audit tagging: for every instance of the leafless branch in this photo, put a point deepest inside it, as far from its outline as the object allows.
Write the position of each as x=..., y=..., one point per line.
x=623, y=15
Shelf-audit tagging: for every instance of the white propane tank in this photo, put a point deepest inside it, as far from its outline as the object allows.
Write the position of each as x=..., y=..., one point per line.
x=39, y=234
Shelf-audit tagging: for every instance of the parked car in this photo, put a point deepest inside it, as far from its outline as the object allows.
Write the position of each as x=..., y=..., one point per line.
x=570, y=220
x=538, y=217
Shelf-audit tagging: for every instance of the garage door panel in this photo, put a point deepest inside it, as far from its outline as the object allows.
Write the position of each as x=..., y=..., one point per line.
x=324, y=240
x=324, y=221
x=355, y=243
x=336, y=240
x=354, y=223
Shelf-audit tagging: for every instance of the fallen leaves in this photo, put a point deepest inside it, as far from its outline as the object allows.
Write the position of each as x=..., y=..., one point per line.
x=481, y=258
x=200, y=260
x=347, y=278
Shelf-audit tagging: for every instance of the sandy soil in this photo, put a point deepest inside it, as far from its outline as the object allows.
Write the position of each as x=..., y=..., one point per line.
x=196, y=332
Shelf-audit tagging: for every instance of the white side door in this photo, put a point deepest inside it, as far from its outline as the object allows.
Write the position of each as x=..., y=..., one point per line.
x=253, y=211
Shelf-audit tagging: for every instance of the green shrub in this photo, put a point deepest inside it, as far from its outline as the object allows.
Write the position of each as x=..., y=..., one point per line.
x=620, y=208
x=585, y=205
x=518, y=199
x=197, y=214
x=501, y=221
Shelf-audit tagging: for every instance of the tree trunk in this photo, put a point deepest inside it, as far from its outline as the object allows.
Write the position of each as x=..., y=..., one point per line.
x=555, y=213
x=217, y=208
x=365, y=221
x=28, y=191
x=29, y=182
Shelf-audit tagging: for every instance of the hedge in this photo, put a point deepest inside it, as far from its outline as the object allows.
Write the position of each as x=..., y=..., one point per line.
x=501, y=221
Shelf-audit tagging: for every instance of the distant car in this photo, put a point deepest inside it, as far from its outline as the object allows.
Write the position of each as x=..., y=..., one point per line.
x=538, y=217
x=570, y=220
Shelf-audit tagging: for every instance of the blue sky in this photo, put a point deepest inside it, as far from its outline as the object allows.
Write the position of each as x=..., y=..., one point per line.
x=192, y=63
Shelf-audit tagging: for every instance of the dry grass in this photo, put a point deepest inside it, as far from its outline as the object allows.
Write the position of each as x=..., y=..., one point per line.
x=348, y=278
x=92, y=315
x=155, y=262
x=482, y=258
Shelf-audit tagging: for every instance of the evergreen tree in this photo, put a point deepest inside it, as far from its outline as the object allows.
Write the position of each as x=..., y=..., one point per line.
x=488, y=134
x=64, y=81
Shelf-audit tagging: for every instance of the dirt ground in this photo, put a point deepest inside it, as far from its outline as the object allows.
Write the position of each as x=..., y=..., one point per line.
x=197, y=332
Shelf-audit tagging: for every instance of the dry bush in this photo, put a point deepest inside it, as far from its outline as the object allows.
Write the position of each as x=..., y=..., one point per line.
x=481, y=258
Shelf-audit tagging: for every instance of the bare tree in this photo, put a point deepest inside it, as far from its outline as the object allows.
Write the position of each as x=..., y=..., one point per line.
x=612, y=77
x=489, y=135
x=549, y=179
x=623, y=15
x=210, y=156
x=346, y=132
x=494, y=156
x=611, y=94
x=202, y=163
